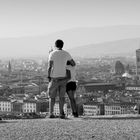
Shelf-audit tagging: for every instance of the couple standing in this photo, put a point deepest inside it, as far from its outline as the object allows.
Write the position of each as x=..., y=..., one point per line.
x=61, y=76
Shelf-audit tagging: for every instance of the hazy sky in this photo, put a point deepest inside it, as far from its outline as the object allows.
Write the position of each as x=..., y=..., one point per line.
x=23, y=18
x=41, y=17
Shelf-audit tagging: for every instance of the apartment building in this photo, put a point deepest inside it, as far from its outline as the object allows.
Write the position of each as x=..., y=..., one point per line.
x=91, y=109
x=5, y=105
x=112, y=109
x=127, y=108
x=25, y=106
x=29, y=106
x=17, y=106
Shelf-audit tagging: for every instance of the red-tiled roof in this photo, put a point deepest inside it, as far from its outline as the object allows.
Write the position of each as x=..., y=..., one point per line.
x=98, y=86
x=92, y=103
x=30, y=101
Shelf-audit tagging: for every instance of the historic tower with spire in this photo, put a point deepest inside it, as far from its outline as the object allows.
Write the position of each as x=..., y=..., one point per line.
x=9, y=68
x=138, y=62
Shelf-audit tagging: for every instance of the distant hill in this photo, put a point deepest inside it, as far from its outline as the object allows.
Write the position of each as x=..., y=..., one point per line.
x=103, y=40
x=115, y=48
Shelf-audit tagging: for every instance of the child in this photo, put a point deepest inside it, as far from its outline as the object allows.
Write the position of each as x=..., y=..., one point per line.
x=71, y=88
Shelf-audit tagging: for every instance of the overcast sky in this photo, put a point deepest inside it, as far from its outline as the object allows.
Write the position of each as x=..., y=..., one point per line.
x=41, y=17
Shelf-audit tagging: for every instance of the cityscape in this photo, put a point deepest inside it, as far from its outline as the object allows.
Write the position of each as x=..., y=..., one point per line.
x=106, y=86
x=101, y=41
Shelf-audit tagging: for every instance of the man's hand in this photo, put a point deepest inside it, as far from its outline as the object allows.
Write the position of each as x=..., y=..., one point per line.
x=71, y=62
x=50, y=64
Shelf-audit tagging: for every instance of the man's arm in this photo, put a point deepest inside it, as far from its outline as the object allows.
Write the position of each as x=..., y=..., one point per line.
x=50, y=64
x=71, y=62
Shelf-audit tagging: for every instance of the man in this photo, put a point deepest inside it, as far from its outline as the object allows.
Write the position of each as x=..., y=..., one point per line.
x=57, y=76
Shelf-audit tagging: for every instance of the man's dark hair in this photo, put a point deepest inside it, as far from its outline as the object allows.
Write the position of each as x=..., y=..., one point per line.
x=59, y=44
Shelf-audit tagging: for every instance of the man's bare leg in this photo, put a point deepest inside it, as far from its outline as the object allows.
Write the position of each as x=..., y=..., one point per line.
x=51, y=107
x=61, y=105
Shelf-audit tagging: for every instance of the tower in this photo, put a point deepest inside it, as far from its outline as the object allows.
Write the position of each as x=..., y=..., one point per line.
x=119, y=68
x=9, y=67
x=138, y=62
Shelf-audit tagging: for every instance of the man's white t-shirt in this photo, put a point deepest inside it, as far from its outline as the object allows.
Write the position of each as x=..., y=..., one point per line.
x=59, y=58
x=72, y=72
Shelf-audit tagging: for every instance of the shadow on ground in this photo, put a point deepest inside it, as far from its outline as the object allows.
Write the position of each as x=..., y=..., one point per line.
x=110, y=118
x=7, y=121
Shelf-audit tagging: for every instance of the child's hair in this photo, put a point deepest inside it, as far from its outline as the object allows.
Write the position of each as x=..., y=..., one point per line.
x=68, y=63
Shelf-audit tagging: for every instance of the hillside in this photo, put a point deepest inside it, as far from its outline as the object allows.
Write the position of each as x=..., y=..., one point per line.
x=102, y=38
x=115, y=48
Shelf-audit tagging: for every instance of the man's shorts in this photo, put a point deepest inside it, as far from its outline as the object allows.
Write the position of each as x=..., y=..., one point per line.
x=71, y=86
x=57, y=86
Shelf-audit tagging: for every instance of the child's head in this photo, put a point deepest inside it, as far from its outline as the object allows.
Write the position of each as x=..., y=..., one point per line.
x=68, y=63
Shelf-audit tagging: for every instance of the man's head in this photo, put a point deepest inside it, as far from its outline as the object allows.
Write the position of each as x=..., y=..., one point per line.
x=59, y=44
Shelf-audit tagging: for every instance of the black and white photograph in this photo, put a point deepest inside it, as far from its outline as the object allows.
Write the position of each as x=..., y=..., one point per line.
x=69, y=70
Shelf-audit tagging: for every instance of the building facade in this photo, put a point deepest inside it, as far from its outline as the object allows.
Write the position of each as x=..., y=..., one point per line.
x=29, y=106
x=42, y=106
x=91, y=109
x=17, y=106
x=25, y=106
x=5, y=105
x=127, y=108
x=112, y=109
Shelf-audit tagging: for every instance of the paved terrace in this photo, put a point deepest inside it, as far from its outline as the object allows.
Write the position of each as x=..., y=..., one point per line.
x=85, y=128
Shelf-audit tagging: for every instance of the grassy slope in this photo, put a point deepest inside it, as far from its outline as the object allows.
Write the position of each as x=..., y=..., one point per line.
x=77, y=129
